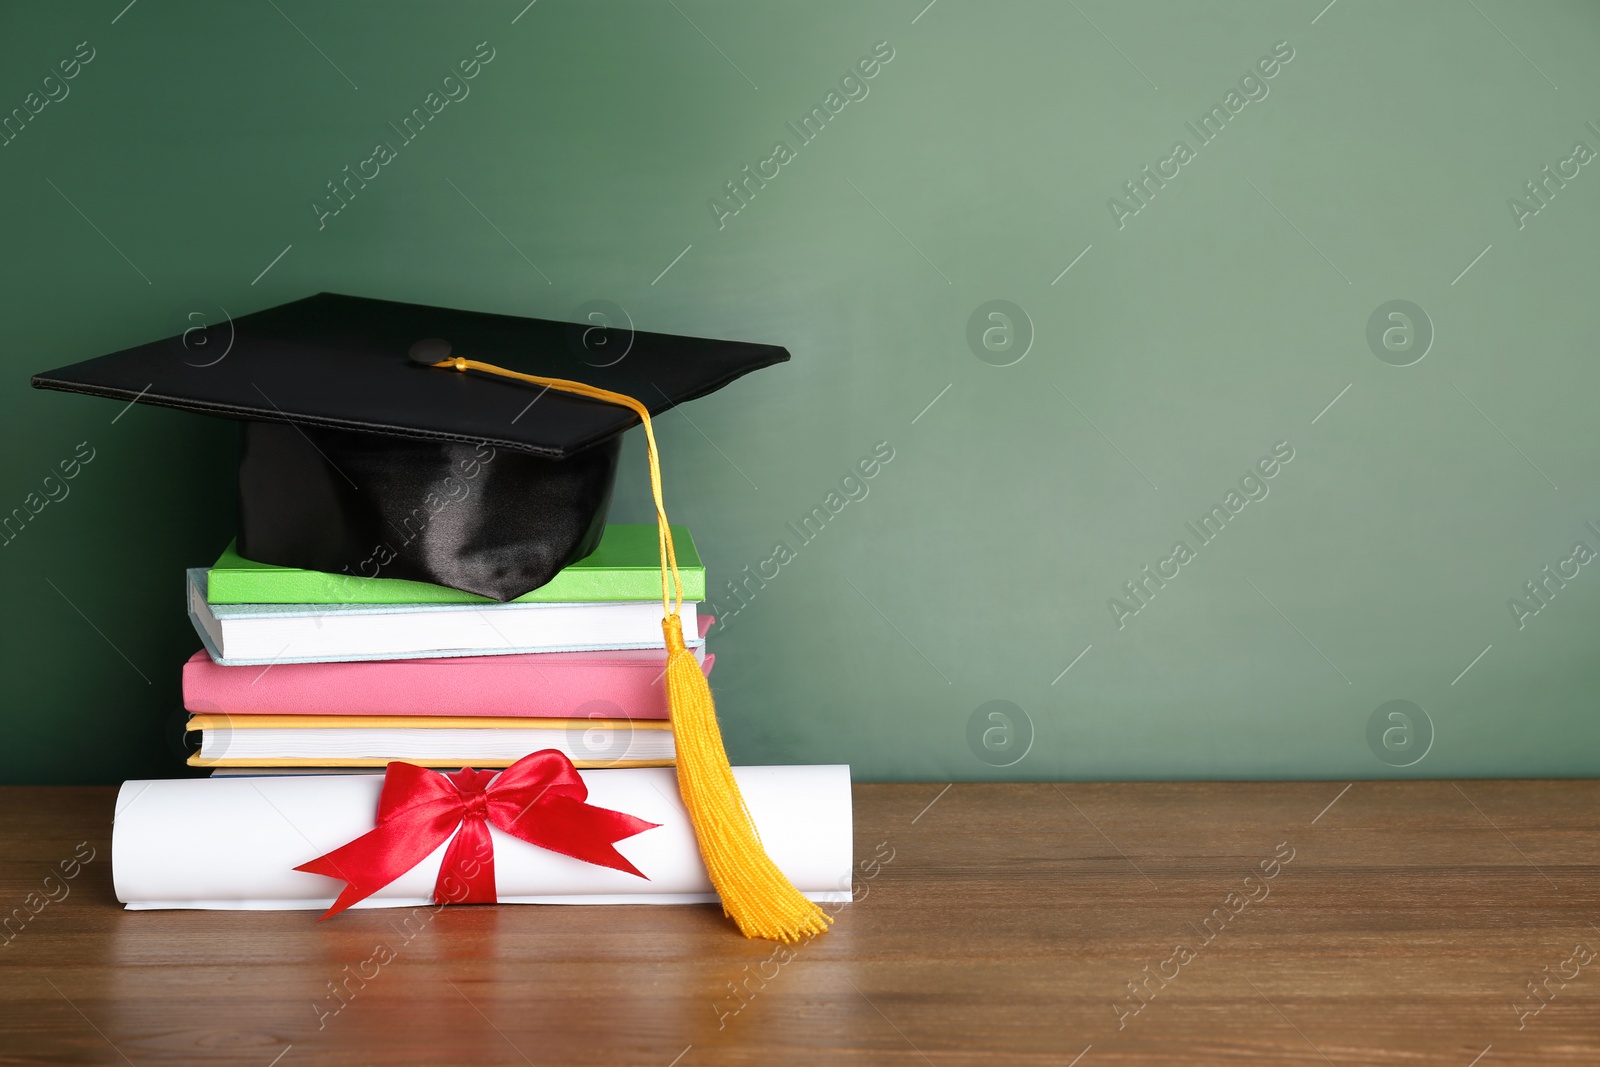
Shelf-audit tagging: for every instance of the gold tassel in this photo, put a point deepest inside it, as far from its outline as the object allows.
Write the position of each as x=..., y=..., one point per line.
x=755, y=893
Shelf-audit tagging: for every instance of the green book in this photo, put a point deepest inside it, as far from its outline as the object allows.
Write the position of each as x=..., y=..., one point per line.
x=626, y=566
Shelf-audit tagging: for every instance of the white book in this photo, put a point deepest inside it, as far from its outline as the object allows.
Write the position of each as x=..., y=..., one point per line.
x=261, y=634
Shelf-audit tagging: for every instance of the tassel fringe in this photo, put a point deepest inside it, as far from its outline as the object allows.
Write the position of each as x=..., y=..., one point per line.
x=755, y=893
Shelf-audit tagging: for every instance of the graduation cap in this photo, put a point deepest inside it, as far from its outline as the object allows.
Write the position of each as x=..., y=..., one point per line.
x=359, y=415
x=357, y=460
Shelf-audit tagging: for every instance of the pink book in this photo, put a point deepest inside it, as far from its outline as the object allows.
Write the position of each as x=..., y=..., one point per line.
x=623, y=684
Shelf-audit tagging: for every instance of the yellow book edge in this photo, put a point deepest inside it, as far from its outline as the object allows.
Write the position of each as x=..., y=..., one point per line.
x=208, y=721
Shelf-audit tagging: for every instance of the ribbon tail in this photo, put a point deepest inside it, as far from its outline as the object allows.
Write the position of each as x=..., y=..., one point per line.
x=375, y=859
x=347, y=896
x=583, y=831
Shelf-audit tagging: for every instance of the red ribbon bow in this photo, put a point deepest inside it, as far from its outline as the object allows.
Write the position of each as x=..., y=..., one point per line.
x=540, y=799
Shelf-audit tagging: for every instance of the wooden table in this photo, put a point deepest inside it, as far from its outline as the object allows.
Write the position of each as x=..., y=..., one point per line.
x=1384, y=923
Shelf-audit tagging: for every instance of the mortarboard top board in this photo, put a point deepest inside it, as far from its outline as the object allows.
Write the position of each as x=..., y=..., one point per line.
x=359, y=458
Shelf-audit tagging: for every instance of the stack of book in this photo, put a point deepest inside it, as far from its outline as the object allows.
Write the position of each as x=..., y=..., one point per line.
x=306, y=671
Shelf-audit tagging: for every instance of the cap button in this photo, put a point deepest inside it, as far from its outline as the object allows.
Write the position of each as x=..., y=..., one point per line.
x=430, y=350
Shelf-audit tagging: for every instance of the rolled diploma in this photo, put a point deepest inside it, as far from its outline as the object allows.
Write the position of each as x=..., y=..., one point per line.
x=233, y=843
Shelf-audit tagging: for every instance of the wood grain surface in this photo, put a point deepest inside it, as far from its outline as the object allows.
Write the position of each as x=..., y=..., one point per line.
x=1383, y=923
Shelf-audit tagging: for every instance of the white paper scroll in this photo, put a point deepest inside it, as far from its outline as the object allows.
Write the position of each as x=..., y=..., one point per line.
x=233, y=843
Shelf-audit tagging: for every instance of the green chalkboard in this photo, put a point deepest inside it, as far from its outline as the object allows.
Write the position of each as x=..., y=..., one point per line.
x=1226, y=371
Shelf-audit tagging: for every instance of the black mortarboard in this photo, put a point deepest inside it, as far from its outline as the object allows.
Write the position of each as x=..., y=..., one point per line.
x=357, y=458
